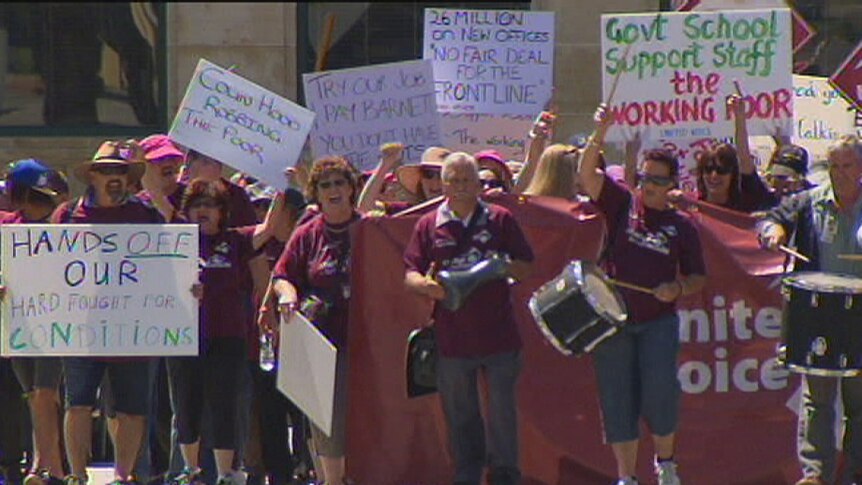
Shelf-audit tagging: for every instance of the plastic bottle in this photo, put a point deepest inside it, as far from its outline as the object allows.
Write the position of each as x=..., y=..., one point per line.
x=267, y=352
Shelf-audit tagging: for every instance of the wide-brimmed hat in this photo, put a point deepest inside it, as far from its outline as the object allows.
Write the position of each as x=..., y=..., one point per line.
x=160, y=147
x=113, y=153
x=33, y=174
x=409, y=176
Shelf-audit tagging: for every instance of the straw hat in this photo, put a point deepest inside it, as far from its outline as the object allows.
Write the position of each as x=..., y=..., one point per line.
x=410, y=176
x=114, y=153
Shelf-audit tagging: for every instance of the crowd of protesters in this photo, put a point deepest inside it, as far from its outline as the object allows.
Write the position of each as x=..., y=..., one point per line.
x=266, y=253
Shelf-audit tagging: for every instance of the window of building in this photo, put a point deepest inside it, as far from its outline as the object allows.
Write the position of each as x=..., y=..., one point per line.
x=82, y=68
x=369, y=33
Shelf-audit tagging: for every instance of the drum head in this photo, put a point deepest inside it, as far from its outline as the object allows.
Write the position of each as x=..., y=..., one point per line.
x=825, y=282
x=602, y=297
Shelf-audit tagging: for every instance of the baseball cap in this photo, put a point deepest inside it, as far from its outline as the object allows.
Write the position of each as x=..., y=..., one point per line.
x=794, y=157
x=158, y=147
x=31, y=173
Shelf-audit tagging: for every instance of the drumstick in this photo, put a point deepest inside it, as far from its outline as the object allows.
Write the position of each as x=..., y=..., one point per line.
x=794, y=252
x=630, y=286
x=850, y=257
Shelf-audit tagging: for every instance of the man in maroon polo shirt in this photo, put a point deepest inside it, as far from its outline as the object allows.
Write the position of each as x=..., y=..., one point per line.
x=481, y=335
x=107, y=200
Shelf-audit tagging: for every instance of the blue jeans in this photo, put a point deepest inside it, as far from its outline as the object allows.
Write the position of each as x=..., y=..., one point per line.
x=637, y=377
x=816, y=432
x=457, y=384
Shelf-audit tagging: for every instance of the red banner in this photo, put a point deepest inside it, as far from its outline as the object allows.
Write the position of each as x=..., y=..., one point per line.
x=736, y=426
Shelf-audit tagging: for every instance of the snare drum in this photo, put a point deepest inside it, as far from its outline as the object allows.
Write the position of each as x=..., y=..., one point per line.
x=578, y=309
x=822, y=331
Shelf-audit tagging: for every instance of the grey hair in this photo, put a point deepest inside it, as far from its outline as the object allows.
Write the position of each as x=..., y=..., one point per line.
x=845, y=143
x=459, y=159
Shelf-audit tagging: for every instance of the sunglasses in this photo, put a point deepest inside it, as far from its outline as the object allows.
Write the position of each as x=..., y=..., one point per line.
x=492, y=184
x=644, y=178
x=719, y=169
x=110, y=169
x=204, y=204
x=429, y=173
x=331, y=183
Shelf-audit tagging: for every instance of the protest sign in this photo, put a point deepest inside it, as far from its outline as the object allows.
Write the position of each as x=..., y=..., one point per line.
x=99, y=290
x=474, y=132
x=241, y=124
x=490, y=61
x=361, y=108
x=306, y=371
x=673, y=72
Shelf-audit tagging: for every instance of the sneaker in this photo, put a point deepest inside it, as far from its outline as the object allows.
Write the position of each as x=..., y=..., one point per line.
x=35, y=478
x=75, y=480
x=810, y=481
x=666, y=473
x=627, y=481
x=189, y=476
x=228, y=480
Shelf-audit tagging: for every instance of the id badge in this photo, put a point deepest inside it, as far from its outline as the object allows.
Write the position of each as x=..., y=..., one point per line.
x=830, y=228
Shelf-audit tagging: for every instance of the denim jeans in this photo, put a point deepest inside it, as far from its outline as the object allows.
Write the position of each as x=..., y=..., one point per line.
x=637, y=377
x=816, y=432
x=458, y=387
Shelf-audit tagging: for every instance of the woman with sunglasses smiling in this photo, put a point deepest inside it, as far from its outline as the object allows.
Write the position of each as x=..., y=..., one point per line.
x=312, y=276
x=726, y=175
x=214, y=376
x=654, y=246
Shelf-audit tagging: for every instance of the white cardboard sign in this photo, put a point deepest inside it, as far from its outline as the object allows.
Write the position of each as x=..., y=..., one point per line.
x=361, y=108
x=491, y=61
x=99, y=289
x=241, y=124
x=474, y=132
x=306, y=370
x=677, y=69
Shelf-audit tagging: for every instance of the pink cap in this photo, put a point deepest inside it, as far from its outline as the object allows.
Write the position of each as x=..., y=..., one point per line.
x=158, y=147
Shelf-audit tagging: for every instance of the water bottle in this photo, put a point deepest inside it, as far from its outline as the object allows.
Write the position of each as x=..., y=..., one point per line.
x=267, y=352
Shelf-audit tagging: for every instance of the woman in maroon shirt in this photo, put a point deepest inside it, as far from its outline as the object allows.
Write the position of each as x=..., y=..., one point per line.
x=313, y=276
x=213, y=377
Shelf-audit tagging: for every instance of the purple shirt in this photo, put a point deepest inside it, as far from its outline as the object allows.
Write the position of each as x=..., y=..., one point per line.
x=316, y=261
x=646, y=247
x=226, y=256
x=485, y=324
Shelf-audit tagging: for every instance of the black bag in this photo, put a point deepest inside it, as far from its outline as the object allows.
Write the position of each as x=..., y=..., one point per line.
x=421, y=362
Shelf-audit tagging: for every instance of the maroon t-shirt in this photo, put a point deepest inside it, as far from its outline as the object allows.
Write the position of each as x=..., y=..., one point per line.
x=133, y=211
x=226, y=256
x=15, y=217
x=316, y=261
x=485, y=324
x=646, y=247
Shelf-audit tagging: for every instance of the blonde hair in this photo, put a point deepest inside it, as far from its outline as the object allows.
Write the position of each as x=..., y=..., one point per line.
x=555, y=172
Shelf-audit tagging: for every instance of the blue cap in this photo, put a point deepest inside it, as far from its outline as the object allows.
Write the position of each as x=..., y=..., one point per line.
x=33, y=174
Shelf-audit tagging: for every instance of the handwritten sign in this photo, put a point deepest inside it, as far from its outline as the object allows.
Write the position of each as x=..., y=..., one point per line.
x=676, y=70
x=361, y=108
x=241, y=124
x=491, y=61
x=474, y=132
x=106, y=290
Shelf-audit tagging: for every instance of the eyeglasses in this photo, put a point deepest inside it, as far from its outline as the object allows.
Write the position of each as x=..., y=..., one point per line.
x=204, y=204
x=719, y=169
x=429, y=173
x=331, y=183
x=110, y=169
x=644, y=177
x=492, y=184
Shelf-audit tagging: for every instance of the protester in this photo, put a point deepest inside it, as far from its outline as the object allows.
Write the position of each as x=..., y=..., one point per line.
x=164, y=161
x=727, y=176
x=539, y=134
x=391, y=155
x=423, y=180
x=826, y=220
x=787, y=169
x=204, y=167
x=313, y=276
x=33, y=194
x=213, y=377
x=107, y=200
x=556, y=174
x=481, y=336
x=492, y=160
x=653, y=246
